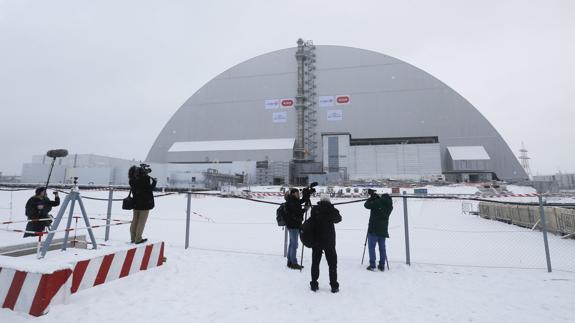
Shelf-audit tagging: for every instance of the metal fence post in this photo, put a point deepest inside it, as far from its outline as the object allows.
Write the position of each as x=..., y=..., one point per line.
x=109, y=214
x=544, y=229
x=189, y=211
x=406, y=226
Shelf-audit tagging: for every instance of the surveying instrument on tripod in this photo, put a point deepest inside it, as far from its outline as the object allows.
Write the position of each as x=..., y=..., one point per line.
x=71, y=199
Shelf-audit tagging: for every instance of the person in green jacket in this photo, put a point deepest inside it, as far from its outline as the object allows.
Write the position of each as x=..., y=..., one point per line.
x=380, y=208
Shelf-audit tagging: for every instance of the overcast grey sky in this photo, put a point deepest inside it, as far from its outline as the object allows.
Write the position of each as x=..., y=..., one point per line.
x=104, y=77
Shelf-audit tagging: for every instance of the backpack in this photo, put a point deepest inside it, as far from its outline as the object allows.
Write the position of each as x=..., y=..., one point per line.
x=281, y=214
x=306, y=233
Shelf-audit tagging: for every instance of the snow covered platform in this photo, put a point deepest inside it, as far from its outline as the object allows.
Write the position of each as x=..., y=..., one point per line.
x=31, y=285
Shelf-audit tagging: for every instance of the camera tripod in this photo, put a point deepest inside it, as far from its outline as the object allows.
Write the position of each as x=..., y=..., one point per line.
x=307, y=208
x=73, y=196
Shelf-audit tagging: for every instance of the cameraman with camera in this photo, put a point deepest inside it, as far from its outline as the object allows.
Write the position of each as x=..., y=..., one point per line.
x=380, y=208
x=142, y=188
x=294, y=220
x=39, y=207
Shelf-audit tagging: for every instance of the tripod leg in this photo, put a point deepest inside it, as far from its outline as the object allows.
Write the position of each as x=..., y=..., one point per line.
x=302, y=246
x=364, y=245
x=88, y=225
x=69, y=223
x=285, y=241
x=54, y=227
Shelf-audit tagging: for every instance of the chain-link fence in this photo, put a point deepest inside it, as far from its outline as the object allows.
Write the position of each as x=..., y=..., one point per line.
x=442, y=230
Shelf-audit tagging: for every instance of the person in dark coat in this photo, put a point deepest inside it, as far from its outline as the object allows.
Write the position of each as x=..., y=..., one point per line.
x=324, y=215
x=142, y=186
x=294, y=219
x=380, y=209
x=39, y=207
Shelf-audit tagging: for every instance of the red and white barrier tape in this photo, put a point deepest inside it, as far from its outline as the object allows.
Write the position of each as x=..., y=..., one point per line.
x=65, y=230
x=24, y=221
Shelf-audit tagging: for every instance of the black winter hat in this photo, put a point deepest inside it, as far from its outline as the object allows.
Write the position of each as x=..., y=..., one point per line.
x=293, y=190
x=39, y=190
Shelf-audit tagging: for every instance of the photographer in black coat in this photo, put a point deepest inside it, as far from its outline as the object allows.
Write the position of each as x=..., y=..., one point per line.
x=294, y=219
x=380, y=209
x=142, y=187
x=324, y=215
x=39, y=207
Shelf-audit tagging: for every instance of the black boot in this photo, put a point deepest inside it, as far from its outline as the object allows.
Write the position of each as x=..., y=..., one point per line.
x=370, y=268
x=381, y=267
x=314, y=286
x=334, y=287
x=296, y=266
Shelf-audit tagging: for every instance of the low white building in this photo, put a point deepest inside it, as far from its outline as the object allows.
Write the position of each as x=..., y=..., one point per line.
x=102, y=170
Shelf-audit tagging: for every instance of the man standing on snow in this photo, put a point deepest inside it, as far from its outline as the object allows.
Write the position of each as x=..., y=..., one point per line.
x=380, y=209
x=39, y=207
x=323, y=216
x=294, y=219
x=142, y=187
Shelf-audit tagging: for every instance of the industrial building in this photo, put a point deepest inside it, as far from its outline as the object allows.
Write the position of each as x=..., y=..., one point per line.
x=554, y=183
x=102, y=171
x=334, y=113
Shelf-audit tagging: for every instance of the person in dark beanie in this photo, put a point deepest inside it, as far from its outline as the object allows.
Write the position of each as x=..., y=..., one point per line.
x=39, y=207
x=324, y=215
x=380, y=209
x=294, y=219
x=142, y=186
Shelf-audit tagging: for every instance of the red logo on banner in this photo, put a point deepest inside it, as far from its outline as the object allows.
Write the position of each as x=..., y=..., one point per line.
x=344, y=99
x=287, y=103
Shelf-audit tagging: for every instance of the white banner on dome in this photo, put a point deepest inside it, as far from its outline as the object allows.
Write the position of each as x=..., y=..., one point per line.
x=272, y=104
x=334, y=115
x=279, y=117
x=326, y=101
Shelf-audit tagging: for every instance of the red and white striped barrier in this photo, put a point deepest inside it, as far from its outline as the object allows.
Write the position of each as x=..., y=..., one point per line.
x=506, y=195
x=265, y=194
x=33, y=293
x=97, y=271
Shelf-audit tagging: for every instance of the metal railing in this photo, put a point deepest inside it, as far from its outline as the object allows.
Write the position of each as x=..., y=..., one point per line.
x=427, y=238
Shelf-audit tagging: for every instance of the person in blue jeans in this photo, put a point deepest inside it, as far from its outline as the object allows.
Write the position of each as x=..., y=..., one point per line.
x=380, y=209
x=294, y=219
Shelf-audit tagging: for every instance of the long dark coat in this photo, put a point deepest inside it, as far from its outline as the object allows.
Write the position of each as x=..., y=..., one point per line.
x=143, y=192
x=324, y=215
x=380, y=209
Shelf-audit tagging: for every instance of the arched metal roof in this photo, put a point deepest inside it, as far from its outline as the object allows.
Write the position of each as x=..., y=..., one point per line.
x=388, y=98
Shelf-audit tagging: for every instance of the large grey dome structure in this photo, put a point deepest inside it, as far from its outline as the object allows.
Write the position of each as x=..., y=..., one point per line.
x=385, y=118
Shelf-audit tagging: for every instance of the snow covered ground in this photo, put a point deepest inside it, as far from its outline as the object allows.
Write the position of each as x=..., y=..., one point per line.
x=464, y=268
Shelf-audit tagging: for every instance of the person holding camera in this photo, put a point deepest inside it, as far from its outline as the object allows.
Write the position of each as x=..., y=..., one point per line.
x=38, y=207
x=294, y=219
x=380, y=209
x=324, y=215
x=142, y=187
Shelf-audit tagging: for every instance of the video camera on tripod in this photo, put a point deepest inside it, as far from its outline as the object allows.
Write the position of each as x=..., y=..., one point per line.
x=307, y=192
x=372, y=193
x=139, y=171
x=144, y=169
